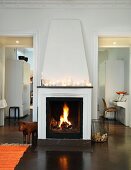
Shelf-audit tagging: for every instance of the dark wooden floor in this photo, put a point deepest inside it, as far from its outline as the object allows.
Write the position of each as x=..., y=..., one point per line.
x=112, y=155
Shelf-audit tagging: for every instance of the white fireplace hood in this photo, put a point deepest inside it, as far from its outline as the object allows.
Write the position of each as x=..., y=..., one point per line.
x=65, y=59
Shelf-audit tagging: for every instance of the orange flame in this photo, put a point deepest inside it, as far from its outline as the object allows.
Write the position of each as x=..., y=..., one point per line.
x=64, y=163
x=64, y=117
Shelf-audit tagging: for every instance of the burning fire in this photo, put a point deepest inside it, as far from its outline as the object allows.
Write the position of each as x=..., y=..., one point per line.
x=64, y=117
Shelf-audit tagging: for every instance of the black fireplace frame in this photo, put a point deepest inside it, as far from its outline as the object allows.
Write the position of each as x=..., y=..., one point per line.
x=50, y=134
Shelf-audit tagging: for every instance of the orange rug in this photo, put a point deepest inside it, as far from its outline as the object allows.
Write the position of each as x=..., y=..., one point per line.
x=10, y=155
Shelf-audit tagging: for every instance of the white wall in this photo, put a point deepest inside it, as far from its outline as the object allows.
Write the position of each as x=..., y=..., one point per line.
x=101, y=79
x=114, y=79
x=121, y=54
x=65, y=53
x=2, y=71
x=10, y=53
x=94, y=21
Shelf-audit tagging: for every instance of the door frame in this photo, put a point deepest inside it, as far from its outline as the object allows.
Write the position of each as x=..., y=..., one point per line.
x=96, y=48
x=35, y=61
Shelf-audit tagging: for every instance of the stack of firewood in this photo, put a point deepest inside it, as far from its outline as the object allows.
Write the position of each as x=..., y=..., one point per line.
x=55, y=125
x=98, y=137
x=65, y=125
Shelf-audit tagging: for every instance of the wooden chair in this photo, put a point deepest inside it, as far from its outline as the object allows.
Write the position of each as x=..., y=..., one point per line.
x=109, y=109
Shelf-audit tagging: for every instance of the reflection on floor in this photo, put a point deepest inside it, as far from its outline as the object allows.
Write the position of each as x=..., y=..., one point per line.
x=112, y=155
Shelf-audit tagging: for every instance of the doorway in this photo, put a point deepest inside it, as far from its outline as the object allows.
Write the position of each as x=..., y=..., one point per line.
x=113, y=69
x=18, y=73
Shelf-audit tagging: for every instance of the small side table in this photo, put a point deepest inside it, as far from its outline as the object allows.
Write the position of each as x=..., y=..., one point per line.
x=16, y=109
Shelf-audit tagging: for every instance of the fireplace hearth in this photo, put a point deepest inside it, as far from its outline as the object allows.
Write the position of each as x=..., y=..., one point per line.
x=53, y=123
x=64, y=117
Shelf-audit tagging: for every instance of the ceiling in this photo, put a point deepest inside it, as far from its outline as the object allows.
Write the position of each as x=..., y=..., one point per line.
x=27, y=42
x=49, y=1
x=24, y=42
x=59, y=3
x=116, y=42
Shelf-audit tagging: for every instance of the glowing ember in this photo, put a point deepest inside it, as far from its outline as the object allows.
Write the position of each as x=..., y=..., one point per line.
x=64, y=118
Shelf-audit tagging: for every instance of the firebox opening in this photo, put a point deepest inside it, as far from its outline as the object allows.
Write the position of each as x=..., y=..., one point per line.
x=64, y=117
